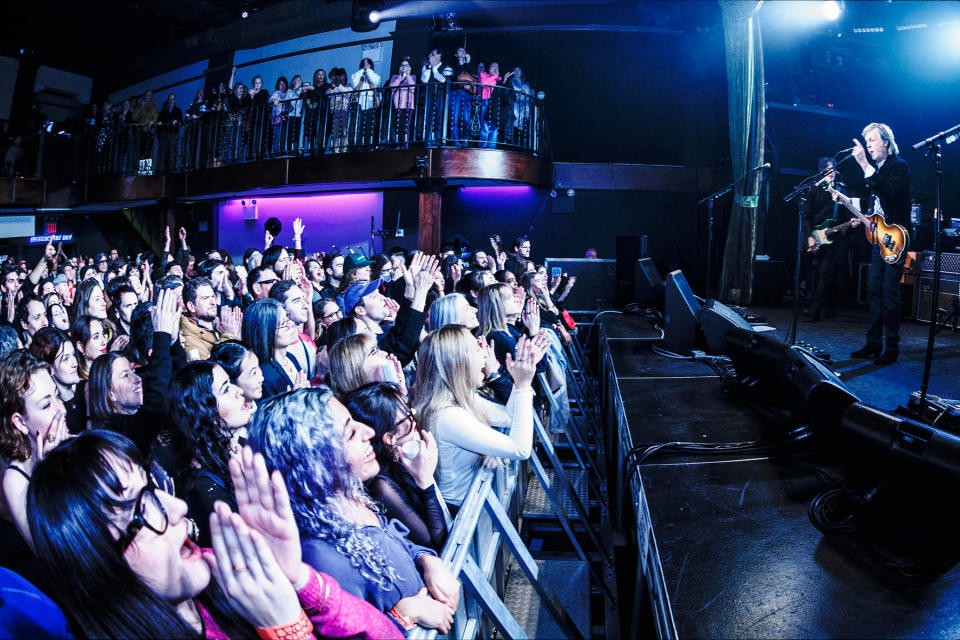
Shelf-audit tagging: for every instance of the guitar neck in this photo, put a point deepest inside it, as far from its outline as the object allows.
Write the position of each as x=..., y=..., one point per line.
x=846, y=202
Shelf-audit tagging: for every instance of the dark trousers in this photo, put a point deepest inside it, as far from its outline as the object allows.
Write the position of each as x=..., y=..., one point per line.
x=826, y=264
x=884, y=301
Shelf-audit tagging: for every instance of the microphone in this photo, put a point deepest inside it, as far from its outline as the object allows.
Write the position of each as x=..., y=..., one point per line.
x=759, y=167
x=847, y=150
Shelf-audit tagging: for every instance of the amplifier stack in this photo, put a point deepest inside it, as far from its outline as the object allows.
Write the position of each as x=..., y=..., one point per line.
x=948, y=302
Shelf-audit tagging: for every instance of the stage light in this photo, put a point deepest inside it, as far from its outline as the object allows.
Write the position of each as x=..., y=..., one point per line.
x=361, y=18
x=831, y=9
x=571, y=193
x=244, y=14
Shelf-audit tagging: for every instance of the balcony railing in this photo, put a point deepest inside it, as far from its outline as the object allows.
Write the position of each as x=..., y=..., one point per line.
x=452, y=114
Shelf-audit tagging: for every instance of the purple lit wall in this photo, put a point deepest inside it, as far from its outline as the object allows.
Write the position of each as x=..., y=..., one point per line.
x=336, y=219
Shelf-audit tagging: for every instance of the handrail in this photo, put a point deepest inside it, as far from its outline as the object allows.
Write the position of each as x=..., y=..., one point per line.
x=451, y=114
x=473, y=549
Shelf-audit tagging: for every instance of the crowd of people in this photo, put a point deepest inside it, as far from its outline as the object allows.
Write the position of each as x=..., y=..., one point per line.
x=330, y=112
x=198, y=446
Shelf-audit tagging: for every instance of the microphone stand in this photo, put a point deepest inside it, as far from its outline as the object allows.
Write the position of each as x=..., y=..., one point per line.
x=710, y=199
x=933, y=148
x=798, y=190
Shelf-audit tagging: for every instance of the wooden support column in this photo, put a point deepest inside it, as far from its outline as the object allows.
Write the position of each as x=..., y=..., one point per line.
x=428, y=239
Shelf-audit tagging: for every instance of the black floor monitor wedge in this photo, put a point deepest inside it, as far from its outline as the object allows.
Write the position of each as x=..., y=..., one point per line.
x=680, y=314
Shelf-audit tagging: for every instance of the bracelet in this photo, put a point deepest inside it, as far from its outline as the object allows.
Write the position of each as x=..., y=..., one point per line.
x=405, y=623
x=301, y=628
x=493, y=376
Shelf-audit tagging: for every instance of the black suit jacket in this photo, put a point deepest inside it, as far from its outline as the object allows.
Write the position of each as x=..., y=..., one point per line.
x=891, y=185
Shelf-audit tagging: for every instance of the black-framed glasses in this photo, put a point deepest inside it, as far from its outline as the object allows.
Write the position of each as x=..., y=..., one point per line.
x=269, y=281
x=338, y=312
x=148, y=512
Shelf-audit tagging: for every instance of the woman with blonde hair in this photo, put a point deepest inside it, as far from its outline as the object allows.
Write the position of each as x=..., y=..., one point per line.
x=357, y=360
x=450, y=370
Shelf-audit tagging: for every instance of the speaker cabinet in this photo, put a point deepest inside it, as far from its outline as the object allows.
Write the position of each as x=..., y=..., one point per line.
x=595, y=281
x=948, y=301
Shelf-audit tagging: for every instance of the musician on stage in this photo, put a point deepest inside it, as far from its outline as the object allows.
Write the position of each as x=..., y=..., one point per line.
x=819, y=211
x=888, y=179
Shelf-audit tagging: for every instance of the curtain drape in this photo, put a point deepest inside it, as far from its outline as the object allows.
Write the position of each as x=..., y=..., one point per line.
x=747, y=106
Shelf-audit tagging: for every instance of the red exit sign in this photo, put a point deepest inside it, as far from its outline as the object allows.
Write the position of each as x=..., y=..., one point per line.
x=51, y=228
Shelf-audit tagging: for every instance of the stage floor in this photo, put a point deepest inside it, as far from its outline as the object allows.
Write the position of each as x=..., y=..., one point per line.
x=733, y=551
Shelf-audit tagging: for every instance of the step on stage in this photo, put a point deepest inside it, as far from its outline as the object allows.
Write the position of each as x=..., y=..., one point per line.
x=724, y=544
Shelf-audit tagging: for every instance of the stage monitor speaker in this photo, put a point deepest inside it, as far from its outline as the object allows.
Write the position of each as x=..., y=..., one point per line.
x=717, y=319
x=948, y=302
x=629, y=250
x=680, y=314
x=595, y=281
x=788, y=377
x=649, y=284
x=868, y=431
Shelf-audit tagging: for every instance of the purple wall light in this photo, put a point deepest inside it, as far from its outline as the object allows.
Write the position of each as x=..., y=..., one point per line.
x=342, y=219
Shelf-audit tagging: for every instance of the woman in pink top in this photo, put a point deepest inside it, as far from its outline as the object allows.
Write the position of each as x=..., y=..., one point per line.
x=488, y=97
x=403, y=96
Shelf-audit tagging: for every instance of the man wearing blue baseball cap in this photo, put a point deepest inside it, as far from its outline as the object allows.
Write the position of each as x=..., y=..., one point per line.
x=364, y=302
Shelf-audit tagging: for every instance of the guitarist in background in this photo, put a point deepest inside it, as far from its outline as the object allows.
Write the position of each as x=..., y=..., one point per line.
x=819, y=208
x=888, y=179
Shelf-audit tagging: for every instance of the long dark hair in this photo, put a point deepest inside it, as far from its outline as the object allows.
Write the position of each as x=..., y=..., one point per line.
x=376, y=404
x=197, y=430
x=260, y=322
x=102, y=409
x=71, y=501
x=230, y=355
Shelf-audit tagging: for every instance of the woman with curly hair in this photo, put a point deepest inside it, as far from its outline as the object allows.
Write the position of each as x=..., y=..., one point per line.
x=325, y=456
x=209, y=418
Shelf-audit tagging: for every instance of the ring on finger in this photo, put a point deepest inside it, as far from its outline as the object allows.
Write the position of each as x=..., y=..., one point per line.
x=240, y=568
x=51, y=438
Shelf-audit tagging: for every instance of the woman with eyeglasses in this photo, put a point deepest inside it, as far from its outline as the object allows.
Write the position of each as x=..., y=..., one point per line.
x=209, y=418
x=268, y=332
x=357, y=360
x=325, y=457
x=450, y=371
x=123, y=565
x=407, y=457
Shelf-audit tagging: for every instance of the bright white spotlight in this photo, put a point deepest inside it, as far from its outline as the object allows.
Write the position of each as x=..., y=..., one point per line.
x=831, y=9
x=375, y=17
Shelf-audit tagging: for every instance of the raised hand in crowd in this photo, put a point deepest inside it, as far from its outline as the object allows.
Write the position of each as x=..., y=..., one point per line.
x=523, y=367
x=231, y=321
x=422, y=466
x=531, y=316
x=166, y=315
x=248, y=572
x=120, y=343
x=267, y=239
x=166, y=239
x=263, y=503
x=298, y=228
x=182, y=235
x=491, y=364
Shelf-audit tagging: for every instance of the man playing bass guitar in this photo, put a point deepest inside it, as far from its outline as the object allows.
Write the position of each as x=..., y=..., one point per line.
x=888, y=179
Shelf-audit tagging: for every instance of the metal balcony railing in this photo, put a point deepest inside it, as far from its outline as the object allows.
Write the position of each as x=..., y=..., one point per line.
x=452, y=114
